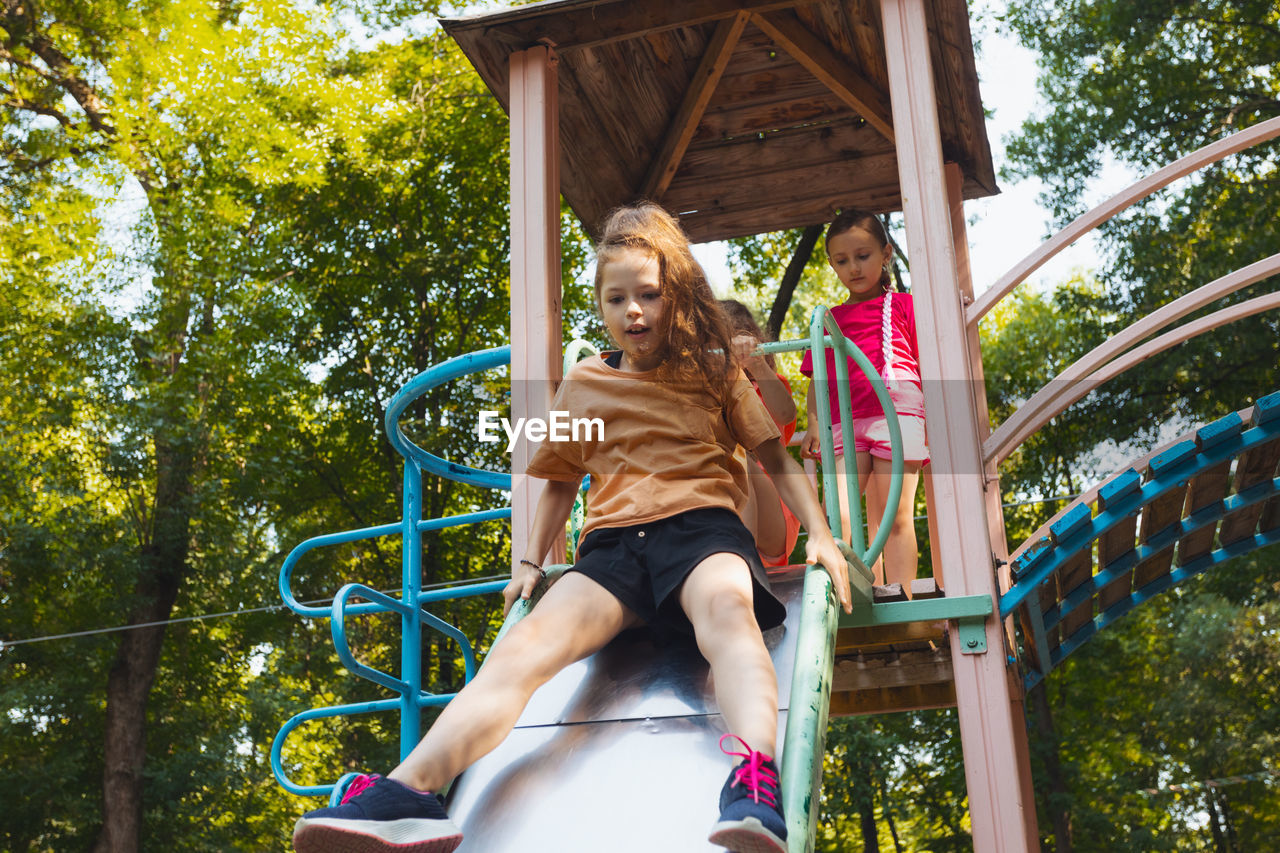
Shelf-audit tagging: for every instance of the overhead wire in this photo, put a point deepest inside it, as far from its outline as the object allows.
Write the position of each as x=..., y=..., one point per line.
x=269, y=608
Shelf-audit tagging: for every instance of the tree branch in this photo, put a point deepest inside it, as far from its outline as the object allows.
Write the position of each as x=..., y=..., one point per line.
x=19, y=19
x=19, y=103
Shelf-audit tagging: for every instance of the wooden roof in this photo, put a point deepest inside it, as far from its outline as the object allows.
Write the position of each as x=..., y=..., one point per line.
x=742, y=116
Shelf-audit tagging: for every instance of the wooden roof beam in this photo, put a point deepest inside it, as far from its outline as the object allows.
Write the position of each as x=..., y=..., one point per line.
x=591, y=23
x=697, y=96
x=833, y=70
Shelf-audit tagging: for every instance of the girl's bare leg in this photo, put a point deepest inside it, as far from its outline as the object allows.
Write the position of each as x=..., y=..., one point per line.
x=901, y=555
x=535, y=649
x=717, y=598
x=863, y=461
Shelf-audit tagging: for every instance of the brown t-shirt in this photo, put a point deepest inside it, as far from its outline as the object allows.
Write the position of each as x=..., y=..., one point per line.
x=666, y=448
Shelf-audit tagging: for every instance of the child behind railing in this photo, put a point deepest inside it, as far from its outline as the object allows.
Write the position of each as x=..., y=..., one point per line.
x=882, y=324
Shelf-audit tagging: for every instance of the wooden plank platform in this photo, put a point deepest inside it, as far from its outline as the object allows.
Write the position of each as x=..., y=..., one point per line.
x=1156, y=517
x=1114, y=545
x=1205, y=491
x=900, y=667
x=1254, y=466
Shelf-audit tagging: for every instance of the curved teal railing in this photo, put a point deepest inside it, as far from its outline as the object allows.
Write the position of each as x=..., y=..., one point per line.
x=817, y=621
x=410, y=698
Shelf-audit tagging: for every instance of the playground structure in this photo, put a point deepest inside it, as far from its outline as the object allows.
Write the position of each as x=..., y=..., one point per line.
x=747, y=116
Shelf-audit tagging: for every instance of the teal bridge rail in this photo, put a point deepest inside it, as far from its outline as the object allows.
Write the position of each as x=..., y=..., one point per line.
x=1203, y=499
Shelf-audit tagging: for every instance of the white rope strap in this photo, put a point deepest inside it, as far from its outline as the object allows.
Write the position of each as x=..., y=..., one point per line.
x=886, y=337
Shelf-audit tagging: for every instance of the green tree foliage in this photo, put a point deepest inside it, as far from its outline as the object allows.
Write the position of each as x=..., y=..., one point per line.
x=1181, y=691
x=1142, y=84
x=894, y=782
x=1027, y=340
x=319, y=215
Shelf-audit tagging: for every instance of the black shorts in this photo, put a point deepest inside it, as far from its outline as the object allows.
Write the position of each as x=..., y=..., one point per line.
x=644, y=565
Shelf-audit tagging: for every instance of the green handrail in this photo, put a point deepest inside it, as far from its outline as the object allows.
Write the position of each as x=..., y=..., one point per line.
x=807, y=714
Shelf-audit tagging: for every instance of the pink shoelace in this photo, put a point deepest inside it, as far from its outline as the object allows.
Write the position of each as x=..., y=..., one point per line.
x=359, y=785
x=752, y=773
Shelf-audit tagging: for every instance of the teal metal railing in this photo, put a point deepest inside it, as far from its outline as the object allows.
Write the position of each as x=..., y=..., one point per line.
x=409, y=697
x=806, y=727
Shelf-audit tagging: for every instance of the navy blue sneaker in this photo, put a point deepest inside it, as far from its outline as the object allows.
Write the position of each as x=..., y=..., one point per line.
x=378, y=815
x=750, y=806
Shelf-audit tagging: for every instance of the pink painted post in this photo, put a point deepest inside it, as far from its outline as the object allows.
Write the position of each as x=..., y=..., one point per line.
x=1002, y=818
x=977, y=385
x=535, y=267
x=991, y=477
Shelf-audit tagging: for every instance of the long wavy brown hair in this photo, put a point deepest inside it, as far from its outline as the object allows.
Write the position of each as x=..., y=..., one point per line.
x=694, y=345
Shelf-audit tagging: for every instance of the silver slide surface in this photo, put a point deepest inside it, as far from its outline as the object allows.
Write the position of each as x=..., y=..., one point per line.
x=616, y=754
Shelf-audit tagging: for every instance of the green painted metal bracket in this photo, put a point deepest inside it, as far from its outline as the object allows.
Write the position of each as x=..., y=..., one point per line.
x=969, y=611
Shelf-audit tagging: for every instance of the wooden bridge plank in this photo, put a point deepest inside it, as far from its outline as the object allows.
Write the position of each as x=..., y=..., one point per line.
x=1049, y=597
x=1256, y=465
x=1156, y=516
x=1113, y=545
x=1205, y=490
x=1077, y=572
x=1270, y=519
x=1031, y=652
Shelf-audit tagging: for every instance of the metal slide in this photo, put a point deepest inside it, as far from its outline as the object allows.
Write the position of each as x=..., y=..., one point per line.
x=617, y=753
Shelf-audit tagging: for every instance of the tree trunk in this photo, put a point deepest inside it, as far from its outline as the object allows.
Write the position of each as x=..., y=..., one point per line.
x=164, y=549
x=790, y=278
x=1215, y=823
x=887, y=811
x=1228, y=822
x=128, y=687
x=870, y=837
x=865, y=797
x=1055, y=802
x=163, y=564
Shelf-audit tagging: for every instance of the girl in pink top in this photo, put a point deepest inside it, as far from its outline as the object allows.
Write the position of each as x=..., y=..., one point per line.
x=882, y=324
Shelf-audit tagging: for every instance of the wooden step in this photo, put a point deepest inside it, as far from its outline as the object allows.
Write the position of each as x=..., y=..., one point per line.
x=899, y=667
x=911, y=636
x=875, y=637
x=893, y=681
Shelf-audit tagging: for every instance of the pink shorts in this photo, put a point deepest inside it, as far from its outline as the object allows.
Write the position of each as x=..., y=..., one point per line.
x=871, y=435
